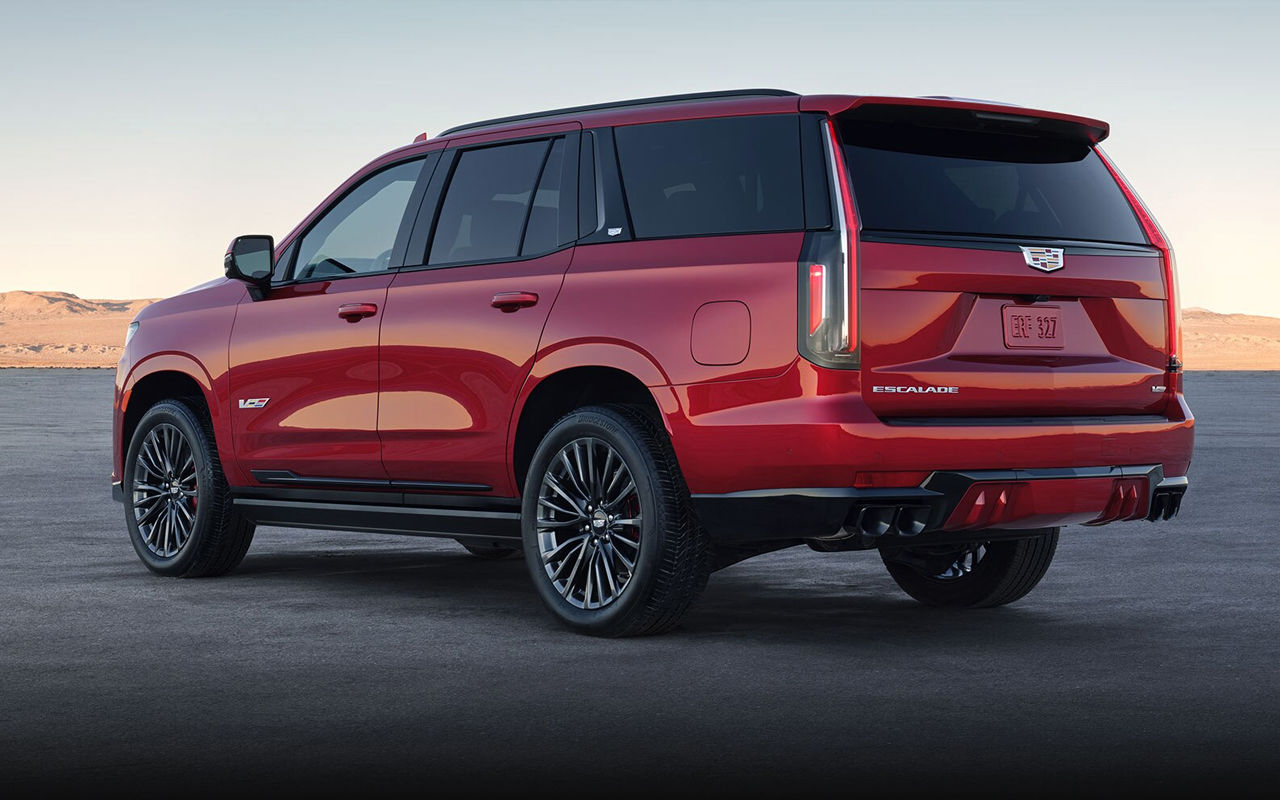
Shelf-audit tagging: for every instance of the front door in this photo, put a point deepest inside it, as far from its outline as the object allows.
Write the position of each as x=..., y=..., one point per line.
x=304, y=359
x=461, y=330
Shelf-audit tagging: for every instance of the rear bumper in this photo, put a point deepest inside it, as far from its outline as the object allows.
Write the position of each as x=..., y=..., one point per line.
x=950, y=502
x=810, y=427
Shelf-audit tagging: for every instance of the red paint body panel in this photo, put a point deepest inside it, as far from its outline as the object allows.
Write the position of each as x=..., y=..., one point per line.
x=643, y=296
x=185, y=334
x=453, y=365
x=932, y=316
x=320, y=373
x=811, y=427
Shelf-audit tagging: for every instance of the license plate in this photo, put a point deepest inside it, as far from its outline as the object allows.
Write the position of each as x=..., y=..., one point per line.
x=1032, y=326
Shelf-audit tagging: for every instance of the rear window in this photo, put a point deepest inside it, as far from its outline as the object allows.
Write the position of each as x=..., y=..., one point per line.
x=910, y=178
x=712, y=176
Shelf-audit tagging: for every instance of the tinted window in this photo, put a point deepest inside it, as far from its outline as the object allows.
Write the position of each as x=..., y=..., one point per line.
x=908, y=178
x=709, y=176
x=284, y=262
x=542, y=234
x=357, y=234
x=486, y=204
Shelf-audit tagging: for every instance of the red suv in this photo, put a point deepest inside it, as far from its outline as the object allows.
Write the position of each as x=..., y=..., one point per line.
x=642, y=341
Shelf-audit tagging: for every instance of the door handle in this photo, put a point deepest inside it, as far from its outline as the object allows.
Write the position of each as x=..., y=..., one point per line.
x=514, y=301
x=354, y=312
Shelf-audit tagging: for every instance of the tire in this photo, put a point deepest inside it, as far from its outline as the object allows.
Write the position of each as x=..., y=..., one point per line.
x=1006, y=571
x=489, y=552
x=217, y=536
x=640, y=539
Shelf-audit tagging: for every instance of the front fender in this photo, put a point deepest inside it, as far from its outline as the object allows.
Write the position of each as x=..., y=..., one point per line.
x=182, y=364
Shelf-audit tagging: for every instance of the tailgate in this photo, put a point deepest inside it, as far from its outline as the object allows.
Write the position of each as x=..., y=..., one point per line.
x=1002, y=270
x=937, y=317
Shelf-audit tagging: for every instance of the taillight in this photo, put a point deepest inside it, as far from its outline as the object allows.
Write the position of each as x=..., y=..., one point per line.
x=1159, y=241
x=817, y=296
x=829, y=274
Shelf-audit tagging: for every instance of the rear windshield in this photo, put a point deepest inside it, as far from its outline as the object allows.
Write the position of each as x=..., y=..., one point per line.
x=911, y=178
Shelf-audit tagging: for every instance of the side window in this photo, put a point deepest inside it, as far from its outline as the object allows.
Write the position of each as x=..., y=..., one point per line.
x=542, y=234
x=487, y=203
x=284, y=262
x=711, y=176
x=358, y=233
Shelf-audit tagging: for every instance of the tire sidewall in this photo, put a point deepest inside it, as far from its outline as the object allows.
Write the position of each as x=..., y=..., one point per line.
x=988, y=580
x=639, y=461
x=181, y=417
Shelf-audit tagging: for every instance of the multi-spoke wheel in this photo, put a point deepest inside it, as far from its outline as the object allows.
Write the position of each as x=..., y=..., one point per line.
x=973, y=574
x=165, y=490
x=609, y=537
x=589, y=523
x=177, y=505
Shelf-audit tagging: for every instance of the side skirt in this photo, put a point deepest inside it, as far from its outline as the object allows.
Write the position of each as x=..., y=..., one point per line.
x=472, y=518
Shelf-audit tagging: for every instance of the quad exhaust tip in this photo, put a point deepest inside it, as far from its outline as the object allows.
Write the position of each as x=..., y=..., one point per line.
x=902, y=520
x=1166, y=503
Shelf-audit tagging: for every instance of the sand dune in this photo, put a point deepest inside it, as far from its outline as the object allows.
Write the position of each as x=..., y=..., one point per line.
x=56, y=329
x=1230, y=341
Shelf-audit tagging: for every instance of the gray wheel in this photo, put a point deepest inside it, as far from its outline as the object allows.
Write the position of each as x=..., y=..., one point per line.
x=166, y=491
x=178, y=508
x=610, y=538
x=589, y=523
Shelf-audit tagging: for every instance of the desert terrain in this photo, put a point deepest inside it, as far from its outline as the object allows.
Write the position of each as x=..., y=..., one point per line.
x=56, y=329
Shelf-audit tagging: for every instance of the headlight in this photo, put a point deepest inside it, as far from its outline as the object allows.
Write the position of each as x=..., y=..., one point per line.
x=133, y=328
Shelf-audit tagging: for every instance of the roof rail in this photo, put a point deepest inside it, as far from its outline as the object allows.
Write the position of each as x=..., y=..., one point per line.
x=645, y=101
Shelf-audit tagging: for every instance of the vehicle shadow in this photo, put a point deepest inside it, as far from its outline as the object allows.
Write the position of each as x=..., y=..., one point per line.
x=779, y=603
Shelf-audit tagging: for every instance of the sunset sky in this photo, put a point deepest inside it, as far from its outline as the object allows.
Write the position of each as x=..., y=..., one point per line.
x=136, y=139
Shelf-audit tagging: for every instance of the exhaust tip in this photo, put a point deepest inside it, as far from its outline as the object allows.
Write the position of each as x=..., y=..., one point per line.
x=876, y=521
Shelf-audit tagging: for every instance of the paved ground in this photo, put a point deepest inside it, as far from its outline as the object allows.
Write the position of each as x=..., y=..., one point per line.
x=1146, y=659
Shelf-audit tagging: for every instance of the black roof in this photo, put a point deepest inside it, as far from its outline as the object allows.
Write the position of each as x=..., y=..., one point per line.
x=644, y=101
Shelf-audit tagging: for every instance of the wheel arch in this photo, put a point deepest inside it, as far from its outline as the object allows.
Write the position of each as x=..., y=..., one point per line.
x=551, y=396
x=163, y=377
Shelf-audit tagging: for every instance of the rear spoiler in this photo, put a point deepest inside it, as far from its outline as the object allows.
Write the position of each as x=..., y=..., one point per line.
x=963, y=114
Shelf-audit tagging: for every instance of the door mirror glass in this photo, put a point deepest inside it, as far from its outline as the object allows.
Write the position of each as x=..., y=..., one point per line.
x=249, y=259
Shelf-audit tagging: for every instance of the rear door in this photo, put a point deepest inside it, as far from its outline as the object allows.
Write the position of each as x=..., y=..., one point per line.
x=1003, y=272
x=304, y=359
x=463, y=318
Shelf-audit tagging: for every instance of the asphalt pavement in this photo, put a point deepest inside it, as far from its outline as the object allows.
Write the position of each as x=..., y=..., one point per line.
x=1148, y=658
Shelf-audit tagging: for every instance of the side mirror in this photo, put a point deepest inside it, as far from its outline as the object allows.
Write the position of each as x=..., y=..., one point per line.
x=248, y=259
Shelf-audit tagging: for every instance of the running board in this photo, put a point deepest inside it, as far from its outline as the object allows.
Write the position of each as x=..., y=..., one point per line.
x=452, y=523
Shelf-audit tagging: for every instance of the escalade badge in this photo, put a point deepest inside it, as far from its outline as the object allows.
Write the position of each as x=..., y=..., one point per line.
x=1045, y=259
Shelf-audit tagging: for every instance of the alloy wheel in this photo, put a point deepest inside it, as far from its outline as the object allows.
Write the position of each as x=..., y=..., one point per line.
x=589, y=523
x=165, y=491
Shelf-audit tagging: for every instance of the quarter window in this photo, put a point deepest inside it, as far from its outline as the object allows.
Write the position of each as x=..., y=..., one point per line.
x=712, y=176
x=358, y=234
x=284, y=262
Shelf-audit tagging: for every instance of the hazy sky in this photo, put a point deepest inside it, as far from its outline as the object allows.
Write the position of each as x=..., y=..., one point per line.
x=136, y=139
